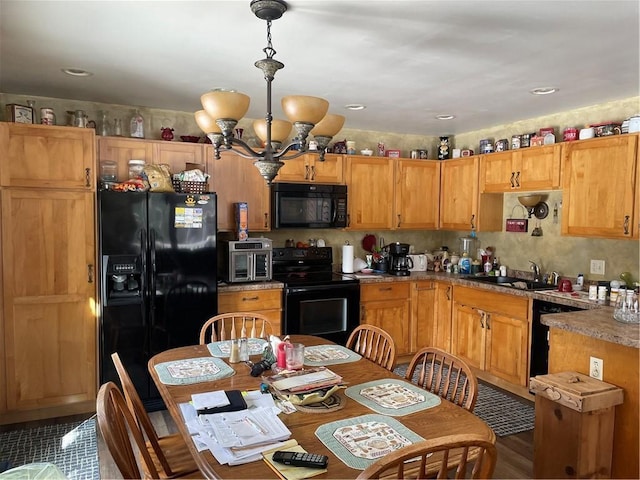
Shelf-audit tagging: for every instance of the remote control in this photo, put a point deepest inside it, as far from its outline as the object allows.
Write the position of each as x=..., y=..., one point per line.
x=299, y=459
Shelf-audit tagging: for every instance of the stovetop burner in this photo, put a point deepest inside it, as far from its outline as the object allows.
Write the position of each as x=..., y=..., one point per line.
x=306, y=266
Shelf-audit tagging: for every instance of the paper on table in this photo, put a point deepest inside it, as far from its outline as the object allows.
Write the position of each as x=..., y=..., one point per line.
x=246, y=428
x=289, y=472
x=210, y=399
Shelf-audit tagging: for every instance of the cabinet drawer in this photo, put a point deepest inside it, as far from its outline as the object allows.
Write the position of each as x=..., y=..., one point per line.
x=384, y=291
x=493, y=302
x=249, y=301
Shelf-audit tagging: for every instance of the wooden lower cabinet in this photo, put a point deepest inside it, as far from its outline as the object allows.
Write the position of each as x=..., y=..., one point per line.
x=267, y=302
x=423, y=314
x=388, y=305
x=49, y=301
x=490, y=331
x=442, y=313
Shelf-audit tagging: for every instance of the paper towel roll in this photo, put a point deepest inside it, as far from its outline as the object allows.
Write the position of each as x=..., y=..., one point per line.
x=347, y=258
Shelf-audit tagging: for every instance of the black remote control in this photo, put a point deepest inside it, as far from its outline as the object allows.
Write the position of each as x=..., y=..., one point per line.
x=299, y=459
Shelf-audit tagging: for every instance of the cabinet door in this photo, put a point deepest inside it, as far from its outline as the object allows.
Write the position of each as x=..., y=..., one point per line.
x=393, y=317
x=47, y=156
x=177, y=155
x=442, y=315
x=328, y=171
x=506, y=351
x=370, y=188
x=459, y=194
x=417, y=195
x=296, y=170
x=497, y=172
x=423, y=316
x=598, y=187
x=121, y=150
x=49, y=297
x=468, y=335
x=235, y=179
x=538, y=168
x=267, y=302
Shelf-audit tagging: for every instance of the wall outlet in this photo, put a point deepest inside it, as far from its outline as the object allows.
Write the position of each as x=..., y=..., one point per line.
x=596, y=367
x=597, y=267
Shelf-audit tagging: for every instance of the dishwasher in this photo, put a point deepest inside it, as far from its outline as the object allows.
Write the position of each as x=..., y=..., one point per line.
x=539, y=362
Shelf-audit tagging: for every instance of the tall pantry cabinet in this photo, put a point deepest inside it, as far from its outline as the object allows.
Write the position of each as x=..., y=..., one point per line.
x=48, y=317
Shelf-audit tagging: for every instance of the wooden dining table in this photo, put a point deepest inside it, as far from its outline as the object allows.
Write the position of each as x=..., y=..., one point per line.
x=443, y=419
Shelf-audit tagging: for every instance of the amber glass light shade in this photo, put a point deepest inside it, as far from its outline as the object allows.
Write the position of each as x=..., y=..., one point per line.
x=206, y=123
x=301, y=108
x=225, y=104
x=329, y=126
x=280, y=130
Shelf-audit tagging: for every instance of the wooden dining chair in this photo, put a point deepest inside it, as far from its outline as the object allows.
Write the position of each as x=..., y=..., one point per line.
x=449, y=452
x=229, y=326
x=170, y=452
x=374, y=344
x=444, y=374
x=119, y=429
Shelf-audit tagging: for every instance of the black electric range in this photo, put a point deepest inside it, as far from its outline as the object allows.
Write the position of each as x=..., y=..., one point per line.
x=307, y=266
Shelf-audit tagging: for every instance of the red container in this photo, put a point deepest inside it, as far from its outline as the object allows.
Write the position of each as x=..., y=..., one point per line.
x=570, y=134
x=544, y=131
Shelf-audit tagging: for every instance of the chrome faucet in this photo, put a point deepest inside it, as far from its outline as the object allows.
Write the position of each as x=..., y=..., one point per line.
x=536, y=271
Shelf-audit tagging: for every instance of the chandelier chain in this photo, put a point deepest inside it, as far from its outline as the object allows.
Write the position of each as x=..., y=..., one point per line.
x=269, y=50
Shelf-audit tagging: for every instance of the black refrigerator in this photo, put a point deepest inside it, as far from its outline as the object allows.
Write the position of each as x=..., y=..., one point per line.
x=157, y=278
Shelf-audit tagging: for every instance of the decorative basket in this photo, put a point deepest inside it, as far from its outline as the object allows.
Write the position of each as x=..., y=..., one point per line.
x=189, y=187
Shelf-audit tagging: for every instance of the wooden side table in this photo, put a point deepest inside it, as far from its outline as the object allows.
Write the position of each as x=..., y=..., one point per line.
x=573, y=436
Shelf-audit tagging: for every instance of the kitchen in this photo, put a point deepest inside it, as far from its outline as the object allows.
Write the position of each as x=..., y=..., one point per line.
x=571, y=255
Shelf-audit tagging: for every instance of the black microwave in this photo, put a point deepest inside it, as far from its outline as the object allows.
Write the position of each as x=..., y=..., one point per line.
x=308, y=205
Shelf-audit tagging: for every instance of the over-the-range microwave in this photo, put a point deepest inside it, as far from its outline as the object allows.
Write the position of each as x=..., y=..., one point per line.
x=308, y=205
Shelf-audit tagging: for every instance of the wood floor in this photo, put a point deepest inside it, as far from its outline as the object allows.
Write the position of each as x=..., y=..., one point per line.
x=515, y=452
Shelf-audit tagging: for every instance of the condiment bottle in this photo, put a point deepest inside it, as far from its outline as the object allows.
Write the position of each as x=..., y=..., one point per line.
x=234, y=355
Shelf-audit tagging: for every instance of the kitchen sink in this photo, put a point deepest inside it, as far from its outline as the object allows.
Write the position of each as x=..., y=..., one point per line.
x=513, y=282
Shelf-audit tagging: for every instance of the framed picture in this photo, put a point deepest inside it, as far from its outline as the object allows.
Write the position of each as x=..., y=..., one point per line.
x=393, y=153
x=19, y=113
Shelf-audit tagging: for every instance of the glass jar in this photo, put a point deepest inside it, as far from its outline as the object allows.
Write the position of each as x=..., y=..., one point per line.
x=108, y=171
x=627, y=309
x=104, y=129
x=136, y=168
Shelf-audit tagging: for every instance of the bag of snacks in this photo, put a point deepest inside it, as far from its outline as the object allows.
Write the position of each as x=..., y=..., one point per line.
x=159, y=178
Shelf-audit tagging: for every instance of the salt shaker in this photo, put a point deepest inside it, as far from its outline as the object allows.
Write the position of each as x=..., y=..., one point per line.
x=234, y=354
x=243, y=350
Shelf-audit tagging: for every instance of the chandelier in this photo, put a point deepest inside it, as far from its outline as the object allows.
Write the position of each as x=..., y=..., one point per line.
x=224, y=108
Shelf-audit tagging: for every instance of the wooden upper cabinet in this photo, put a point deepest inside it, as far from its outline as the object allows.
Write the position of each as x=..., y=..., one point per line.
x=235, y=179
x=370, y=183
x=524, y=169
x=417, y=195
x=46, y=156
x=462, y=207
x=309, y=168
x=177, y=155
x=121, y=150
x=599, y=187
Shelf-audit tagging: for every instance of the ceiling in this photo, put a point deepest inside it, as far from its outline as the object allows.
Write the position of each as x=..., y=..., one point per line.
x=407, y=61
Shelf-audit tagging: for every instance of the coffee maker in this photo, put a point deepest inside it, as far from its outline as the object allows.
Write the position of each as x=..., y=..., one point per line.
x=399, y=262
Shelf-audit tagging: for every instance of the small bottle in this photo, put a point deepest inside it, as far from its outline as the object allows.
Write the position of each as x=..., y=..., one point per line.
x=117, y=127
x=32, y=106
x=496, y=264
x=243, y=350
x=580, y=280
x=137, y=125
x=487, y=266
x=465, y=264
x=103, y=127
x=234, y=354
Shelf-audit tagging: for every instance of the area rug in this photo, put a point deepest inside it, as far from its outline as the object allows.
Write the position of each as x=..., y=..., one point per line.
x=505, y=414
x=72, y=447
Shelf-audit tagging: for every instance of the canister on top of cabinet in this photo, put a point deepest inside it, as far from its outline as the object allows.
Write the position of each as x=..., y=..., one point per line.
x=136, y=167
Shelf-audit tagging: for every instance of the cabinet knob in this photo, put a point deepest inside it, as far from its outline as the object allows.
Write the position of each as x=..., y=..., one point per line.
x=625, y=225
x=313, y=172
x=306, y=172
x=513, y=179
x=518, y=179
x=266, y=220
x=398, y=220
x=90, y=272
x=87, y=177
x=473, y=218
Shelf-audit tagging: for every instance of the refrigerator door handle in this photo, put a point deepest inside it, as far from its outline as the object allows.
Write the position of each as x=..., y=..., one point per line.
x=143, y=263
x=152, y=276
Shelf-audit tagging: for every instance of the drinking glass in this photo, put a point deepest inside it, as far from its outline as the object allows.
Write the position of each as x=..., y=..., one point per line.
x=294, y=356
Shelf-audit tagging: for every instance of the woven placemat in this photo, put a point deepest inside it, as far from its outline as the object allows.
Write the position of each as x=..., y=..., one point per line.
x=392, y=396
x=222, y=348
x=193, y=370
x=321, y=355
x=360, y=441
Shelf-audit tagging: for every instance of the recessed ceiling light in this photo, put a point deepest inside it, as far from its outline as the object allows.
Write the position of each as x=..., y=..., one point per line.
x=445, y=116
x=355, y=106
x=77, y=72
x=543, y=90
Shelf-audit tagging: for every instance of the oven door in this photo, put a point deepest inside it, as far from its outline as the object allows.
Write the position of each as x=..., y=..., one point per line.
x=327, y=311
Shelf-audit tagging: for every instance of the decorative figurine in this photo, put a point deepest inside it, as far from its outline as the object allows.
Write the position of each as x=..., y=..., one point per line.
x=167, y=133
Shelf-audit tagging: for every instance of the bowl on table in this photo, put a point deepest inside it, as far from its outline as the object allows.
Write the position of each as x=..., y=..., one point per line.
x=189, y=138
